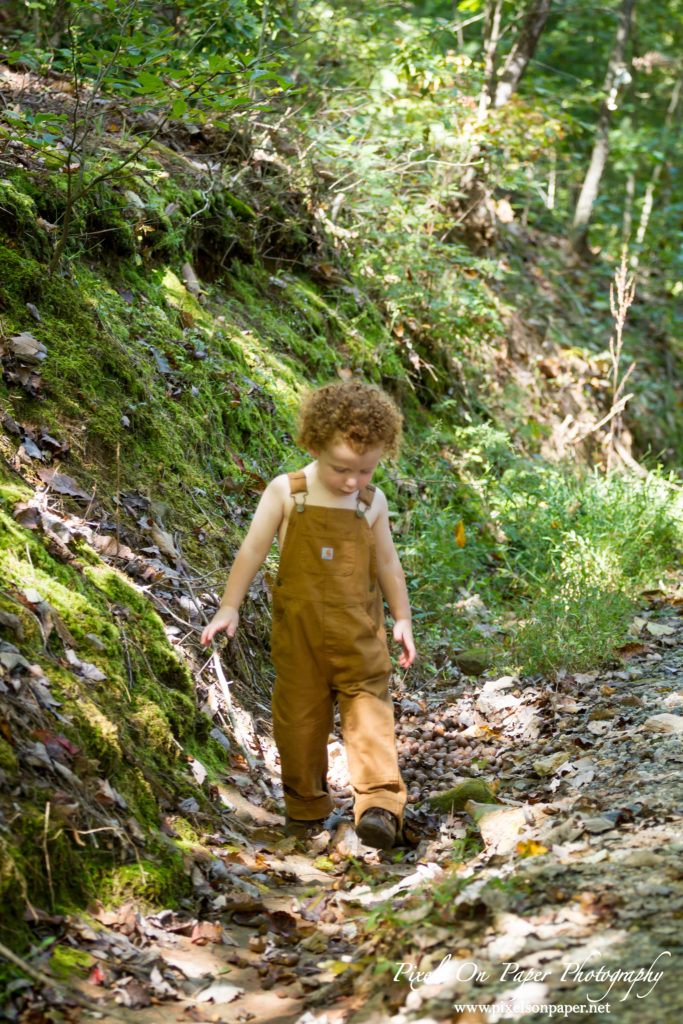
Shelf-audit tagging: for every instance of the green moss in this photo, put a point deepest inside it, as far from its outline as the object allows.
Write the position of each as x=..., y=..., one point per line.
x=154, y=883
x=18, y=217
x=238, y=207
x=178, y=410
x=8, y=759
x=151, y=729
x=188, y=836
x=13, y=893
x=206, y=749
x=182, y=715
x=66, y=962
x=167, y=666
x=100, y=736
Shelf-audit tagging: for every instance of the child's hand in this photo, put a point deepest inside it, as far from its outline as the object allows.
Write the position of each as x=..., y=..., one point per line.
x=403, y=635
x=225, y=618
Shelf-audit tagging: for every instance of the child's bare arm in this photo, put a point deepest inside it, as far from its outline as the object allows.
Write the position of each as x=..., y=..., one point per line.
x=393, y=583
x=249, y=558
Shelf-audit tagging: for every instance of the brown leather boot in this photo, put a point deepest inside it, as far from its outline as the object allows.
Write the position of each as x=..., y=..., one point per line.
x=303, y=829
x=378, y=827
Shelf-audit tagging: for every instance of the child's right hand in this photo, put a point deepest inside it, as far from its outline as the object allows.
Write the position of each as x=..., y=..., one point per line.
x=226, y=618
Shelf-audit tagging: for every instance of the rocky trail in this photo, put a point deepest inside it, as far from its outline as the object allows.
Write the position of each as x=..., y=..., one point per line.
x=549, y=875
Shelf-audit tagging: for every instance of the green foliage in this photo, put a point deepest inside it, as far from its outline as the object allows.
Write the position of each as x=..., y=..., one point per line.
x=616, y=528
x=579, y=551
x=563, y=554
x=203, y=68
x=574, y=624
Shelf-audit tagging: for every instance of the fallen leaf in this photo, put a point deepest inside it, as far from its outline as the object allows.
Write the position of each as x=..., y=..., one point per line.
x=657, y=629
x=97, y=976
x=190, y=279
x=85, y=668
x=27, y=348
x=110, y=547
x=499, y=826
x=597, y=825
x=160, y=986
x=219, y=992
x=31, y=449
x=132, y=993
x=197, y=769
x=206, y=931
x=62, y=484
x=164, y=541
x=10, y=658
x=530, y=848
x=12, y=622
x=26, y=515
x=108, y=796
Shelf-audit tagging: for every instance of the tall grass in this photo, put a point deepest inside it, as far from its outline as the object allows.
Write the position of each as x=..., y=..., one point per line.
x=555, y=557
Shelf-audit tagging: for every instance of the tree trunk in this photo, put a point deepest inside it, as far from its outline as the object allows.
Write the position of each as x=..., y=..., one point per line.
x=598, y=160
x=522, y=51
x=58, y=22
x=494, y=10
x=627, y=222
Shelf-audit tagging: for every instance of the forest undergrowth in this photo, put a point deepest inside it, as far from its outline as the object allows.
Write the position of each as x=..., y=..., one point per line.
x=162, y=310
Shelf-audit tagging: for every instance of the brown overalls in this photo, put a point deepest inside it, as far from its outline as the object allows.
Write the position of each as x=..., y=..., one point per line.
x=328, y=642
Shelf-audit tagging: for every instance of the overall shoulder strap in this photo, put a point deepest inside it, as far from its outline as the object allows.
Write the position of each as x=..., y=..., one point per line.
x=366, y=497
x=298, y=485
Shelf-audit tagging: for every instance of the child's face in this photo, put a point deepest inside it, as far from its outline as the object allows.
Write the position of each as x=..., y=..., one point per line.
x=344, y=471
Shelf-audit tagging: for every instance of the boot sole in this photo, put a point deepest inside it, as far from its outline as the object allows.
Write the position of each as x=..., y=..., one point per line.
x=376, y=836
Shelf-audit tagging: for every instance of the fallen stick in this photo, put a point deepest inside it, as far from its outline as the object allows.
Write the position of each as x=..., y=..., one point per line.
x=99, y=1008
x=225, y=691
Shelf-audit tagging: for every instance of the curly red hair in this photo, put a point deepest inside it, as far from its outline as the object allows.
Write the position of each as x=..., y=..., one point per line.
x=362, y=415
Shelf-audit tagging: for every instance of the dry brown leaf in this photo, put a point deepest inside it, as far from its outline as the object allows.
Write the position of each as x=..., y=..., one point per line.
x=27, y=348
x=62, y=484
x=206, y=931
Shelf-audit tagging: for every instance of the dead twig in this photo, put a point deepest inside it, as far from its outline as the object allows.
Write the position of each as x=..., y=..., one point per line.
x=614, y=411
x=225, y=691
x=129, y=666
x=44, y=979
x=48, y=866
x=621, y=294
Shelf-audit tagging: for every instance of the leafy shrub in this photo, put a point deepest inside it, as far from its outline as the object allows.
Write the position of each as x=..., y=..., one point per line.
x=574, y=624
x=551, y=560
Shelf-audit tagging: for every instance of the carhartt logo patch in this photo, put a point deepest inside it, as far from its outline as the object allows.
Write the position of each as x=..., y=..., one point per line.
x=327, y=554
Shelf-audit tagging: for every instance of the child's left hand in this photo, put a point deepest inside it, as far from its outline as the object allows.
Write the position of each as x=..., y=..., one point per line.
x=403, y=635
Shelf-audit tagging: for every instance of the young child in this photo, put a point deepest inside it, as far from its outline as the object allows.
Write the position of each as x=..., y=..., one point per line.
x=337, y=559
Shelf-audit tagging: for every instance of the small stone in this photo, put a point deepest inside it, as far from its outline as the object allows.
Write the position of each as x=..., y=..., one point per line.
x=188, y=806
x=666, y=723
x=473, y=661
x=597, y=825
x=549, y=765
